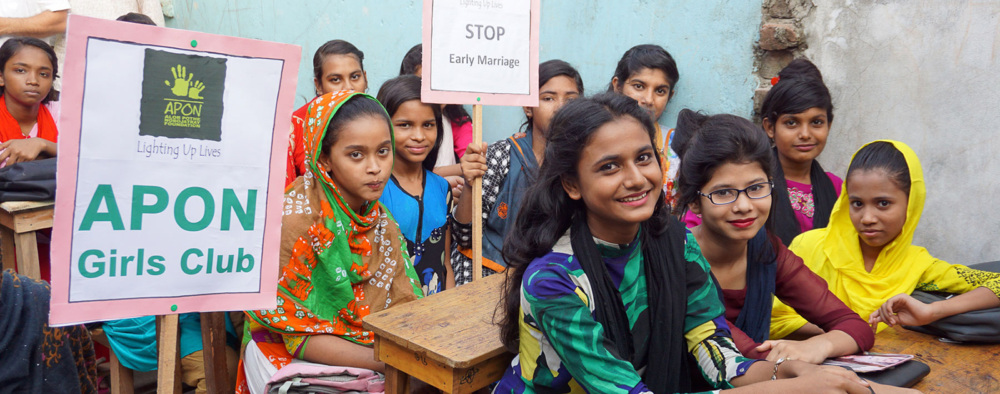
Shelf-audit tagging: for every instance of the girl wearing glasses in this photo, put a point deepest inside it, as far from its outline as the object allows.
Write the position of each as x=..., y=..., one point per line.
x=726, y=177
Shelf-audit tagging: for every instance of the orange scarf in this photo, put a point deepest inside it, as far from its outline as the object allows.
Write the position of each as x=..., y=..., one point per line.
x=11, y=130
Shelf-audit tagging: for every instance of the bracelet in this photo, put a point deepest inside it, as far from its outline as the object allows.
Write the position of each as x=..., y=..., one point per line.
x=774, y=376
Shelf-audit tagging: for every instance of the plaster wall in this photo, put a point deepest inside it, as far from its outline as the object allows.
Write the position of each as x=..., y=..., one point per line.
x=712, y=41
x=925, y=73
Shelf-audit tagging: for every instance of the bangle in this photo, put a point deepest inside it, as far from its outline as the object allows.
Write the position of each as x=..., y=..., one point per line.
x=774, y=376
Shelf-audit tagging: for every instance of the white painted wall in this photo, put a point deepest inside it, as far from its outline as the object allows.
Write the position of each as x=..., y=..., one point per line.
x=926, y=73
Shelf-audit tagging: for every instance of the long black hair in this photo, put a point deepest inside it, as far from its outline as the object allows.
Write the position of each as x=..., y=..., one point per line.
x=14, y=44
x=355, y=107
x=551, y=69
x=401, y=89
x=645, y=56
x=884, y=156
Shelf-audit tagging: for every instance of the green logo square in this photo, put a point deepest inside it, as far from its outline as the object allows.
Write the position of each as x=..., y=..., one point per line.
x=182, y=96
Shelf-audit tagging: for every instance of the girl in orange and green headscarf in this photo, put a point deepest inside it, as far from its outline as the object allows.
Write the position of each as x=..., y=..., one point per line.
x=867, y=256
x=342, y=254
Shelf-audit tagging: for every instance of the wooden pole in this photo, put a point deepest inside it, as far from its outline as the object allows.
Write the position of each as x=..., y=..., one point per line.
x=477, y=198
x=213, y=343
x=168, y=380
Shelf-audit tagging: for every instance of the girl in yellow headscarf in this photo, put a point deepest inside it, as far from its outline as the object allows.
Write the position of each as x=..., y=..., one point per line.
x=866, y=253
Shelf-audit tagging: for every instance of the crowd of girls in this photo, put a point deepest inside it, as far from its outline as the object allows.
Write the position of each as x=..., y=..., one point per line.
x=637, y=259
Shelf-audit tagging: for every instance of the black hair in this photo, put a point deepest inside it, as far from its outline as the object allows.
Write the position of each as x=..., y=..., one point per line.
x=551, y=69
x=401, y=89
x=881, y=155
x=547, y=211
x=354, y=108
x=800, y=87
x=135, y=17
x=14, y=45
x=720, y=139
x=412, y=60
x=688, y=123
x=645, y=56
x=335, y=47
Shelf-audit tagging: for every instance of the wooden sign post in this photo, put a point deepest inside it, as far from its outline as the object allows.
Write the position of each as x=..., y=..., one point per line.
x=480, y=53
x=171, y=165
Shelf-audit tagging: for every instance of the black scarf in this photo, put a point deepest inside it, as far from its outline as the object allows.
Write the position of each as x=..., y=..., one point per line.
x=783, y=216
x=666, y=279
x=755, y=316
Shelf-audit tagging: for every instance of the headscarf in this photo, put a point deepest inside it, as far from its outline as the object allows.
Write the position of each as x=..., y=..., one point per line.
x=786, y=226
x=338, y=265
x=834, y=253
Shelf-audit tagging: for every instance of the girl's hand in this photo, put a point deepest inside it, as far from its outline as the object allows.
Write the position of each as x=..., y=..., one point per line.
x=903, y=309
x=457, y=183
x=17, y=151
x=473, y=163
x=812, y=351
x=829, y=379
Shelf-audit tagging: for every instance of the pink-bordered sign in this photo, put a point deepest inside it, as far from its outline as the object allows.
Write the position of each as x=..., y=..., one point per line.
x=480, y=52
x=172, y=153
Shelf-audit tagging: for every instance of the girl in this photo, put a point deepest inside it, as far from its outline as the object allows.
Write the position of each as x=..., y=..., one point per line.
x=341, y=251
x=28, y=115
x=511, y=165
x=419, y=199
x=607, y=295
x=456, y=128
x=648, y=74
x=866, y=253
x=797, y=114
x=726, y=178
x=337, y=65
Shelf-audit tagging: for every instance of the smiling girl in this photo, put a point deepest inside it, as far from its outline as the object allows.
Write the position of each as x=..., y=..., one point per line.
x=510, y=170
x=342, y=253
x=866, y=253
x=337, y=65
x=726, y=178
x=28, y=130
x=648, y=74
x=418, y=198
x=607, y=295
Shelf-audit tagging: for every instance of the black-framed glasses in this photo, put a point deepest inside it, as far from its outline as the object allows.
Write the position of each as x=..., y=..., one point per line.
x=728, y=196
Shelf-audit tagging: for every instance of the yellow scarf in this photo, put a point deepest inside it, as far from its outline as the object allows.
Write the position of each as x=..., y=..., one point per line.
x=834, y=253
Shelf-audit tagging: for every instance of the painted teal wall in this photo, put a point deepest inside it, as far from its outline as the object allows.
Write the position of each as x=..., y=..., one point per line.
x=712, y=41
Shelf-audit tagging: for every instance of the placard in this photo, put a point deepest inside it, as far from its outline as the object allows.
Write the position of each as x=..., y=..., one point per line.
x=480, y=52
x=171, y=170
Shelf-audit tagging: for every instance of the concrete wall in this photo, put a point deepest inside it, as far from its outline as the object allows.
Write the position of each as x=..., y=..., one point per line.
x=924, y=72
x=712, y=41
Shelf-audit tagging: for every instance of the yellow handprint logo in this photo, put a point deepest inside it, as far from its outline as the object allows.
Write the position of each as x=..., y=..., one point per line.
x=183, y=85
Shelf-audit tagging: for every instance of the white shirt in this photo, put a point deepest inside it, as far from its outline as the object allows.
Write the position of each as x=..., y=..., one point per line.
x=28, y=8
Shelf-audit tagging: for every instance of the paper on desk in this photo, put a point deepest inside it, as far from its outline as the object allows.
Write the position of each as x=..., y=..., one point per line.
x=869, y=362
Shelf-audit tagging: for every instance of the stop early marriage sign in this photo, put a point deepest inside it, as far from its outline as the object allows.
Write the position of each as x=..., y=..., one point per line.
x=171, y=158
x=480, y=52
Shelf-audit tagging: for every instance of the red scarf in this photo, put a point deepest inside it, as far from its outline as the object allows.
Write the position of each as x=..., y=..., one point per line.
x=11, y=130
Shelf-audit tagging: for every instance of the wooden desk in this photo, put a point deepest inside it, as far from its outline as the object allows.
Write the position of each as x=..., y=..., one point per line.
x=447, y=340
x=18, y=222
x=955, y=368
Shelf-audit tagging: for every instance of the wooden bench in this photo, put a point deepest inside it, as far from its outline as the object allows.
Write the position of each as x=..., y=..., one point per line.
x=447, y=340
x=955, y=368
x=18, y=222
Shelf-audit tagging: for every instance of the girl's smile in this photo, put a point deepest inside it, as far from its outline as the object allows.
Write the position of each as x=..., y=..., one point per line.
x=618, y=179
x=740, y=219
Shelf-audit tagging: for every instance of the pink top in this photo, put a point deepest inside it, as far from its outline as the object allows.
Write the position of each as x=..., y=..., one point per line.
x=462, y=132
x=802, y=203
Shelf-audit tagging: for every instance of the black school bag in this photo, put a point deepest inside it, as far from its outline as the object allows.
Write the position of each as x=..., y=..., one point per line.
x=982, y=326
x=28, y=181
